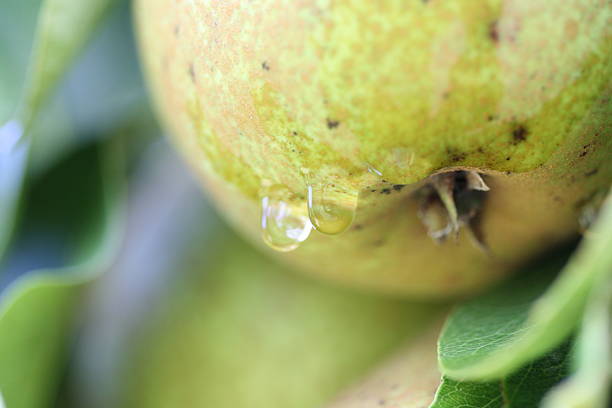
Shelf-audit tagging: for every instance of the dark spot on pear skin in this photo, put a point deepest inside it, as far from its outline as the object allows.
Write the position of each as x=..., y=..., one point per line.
x=358, y=227
x=192, y=74
x=332, y=124
x=592, y=172
x=455, y=155
x=385, y=191
x=378, y=243
x=494, y=32
x=458, y=157
x=585, y=150
x=519, y=134
x=294, y=133
x=398, y=187
x=265, y=66
x=507, y=158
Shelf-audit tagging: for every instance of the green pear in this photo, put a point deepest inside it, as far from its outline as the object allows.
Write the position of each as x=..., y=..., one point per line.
x=410, y=146
x=409, y=378
x=241, y=332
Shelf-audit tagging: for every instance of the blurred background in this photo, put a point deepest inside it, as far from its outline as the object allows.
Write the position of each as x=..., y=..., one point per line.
x=120, y=286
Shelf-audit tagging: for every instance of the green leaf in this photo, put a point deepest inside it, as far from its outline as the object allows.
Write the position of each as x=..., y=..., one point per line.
x=13, y=163
x=493, y=335
x=97, y=95
x=589, y=385
x=16, y=22
x=524, y=389
x=78, y=204
x=64, y=26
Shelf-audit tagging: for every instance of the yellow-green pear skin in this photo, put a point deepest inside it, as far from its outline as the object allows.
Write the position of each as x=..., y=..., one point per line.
x=372, y=97
x=408, y=379
x=241, y=332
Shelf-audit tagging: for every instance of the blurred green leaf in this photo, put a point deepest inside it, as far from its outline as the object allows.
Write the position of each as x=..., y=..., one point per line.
x=73, y=219
x=17, y=27
x=493, y=335
x=64, y=26
x=13, y=163
x=16, y=22
x=523, y=389
x=102, y=90
x=589, y=385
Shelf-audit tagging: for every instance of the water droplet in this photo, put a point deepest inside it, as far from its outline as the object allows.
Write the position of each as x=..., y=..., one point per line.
x=331, y=207
x=284, y=222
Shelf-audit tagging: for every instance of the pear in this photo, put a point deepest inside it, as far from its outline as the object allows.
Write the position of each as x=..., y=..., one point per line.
x=423, y=148
x=409, y=378
x=241, y=332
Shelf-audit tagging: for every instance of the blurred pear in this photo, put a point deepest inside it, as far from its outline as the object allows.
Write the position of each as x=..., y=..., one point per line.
x=239, y=331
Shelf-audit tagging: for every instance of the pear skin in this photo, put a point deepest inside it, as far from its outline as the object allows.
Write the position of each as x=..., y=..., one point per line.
x=408, y=379
x=369, y=100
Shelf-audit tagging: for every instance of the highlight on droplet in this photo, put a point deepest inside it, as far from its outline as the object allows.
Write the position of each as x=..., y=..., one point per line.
x=284, y=221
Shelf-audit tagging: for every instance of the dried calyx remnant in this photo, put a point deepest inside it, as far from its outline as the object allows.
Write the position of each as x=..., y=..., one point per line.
x=450, y=201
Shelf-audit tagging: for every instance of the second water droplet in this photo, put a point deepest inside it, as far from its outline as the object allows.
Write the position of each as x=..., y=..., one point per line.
x=284, y=222
x=331, y=207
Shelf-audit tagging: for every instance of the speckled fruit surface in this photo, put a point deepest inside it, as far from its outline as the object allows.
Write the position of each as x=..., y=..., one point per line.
x=377, y=96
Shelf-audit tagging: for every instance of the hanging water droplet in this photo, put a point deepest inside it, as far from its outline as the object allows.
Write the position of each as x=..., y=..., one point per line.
x=331, y=207
x=284, y=222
